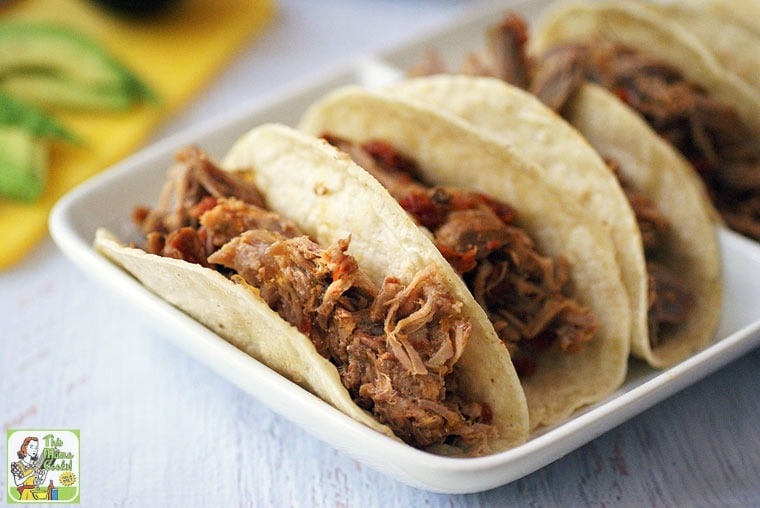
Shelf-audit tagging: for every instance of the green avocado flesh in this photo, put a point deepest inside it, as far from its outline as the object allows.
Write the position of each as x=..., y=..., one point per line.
x=23, y=164
x=56, y=67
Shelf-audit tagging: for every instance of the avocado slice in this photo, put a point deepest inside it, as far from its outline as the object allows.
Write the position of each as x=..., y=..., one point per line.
x=24, y=131
x=56, y=66
x=51, y=92
x=38, y=123
x=23, y=163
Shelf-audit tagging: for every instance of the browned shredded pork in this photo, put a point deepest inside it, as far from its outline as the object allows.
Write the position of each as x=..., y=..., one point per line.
x=521, y=290
x=706, y=130
x=395, y=347
x=669, y=297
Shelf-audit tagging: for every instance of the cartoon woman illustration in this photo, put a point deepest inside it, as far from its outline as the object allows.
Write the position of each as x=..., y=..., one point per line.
x=27, y=473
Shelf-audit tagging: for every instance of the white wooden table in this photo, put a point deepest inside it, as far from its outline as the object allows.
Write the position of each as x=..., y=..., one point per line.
x=160, y=429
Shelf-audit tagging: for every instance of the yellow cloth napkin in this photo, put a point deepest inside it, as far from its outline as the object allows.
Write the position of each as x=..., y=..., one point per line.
x=175, y=54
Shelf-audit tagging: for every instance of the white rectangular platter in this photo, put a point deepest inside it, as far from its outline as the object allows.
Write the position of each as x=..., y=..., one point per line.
x=108, y=199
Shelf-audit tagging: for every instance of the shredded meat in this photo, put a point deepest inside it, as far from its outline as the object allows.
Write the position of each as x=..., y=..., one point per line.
x=395, y=347
x=231, y=217
x=709, y=132
x=670, y=300
x=192, y=179
x=558, y=77
x=521, y=290
x=654, y=226
x=185, y=243
x=507, y=45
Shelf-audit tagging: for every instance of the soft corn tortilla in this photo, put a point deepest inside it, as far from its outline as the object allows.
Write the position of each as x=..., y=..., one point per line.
x=735, y=46
x=634, y=25
x=654, y=168
x=450, y=152
x=329, y=197
x=236, y=313
x=745, y=13
x=570, y=156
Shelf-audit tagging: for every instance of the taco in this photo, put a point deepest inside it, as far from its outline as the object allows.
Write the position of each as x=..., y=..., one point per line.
x=627, y=178
x=543, y=271
x=673, y=81
x=300, y=259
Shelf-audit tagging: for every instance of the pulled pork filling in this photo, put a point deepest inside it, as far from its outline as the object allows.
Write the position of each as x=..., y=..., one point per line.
x=700, y=127
x=395, y=347
x=521, y=290
x=707, y=131
x=669, y=298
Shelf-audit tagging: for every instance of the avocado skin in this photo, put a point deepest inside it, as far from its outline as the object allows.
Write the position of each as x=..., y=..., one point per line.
x=54, y=66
